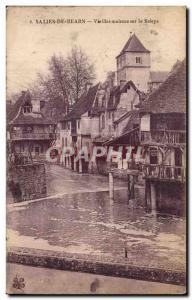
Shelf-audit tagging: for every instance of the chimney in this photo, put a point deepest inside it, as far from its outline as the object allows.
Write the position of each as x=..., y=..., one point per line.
x=122, y=83
x=87, y=86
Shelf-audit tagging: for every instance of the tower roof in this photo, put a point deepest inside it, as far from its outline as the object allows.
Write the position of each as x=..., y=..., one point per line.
x=133, y=45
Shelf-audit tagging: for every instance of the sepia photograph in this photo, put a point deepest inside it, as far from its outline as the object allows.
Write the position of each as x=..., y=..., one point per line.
x=96, y=119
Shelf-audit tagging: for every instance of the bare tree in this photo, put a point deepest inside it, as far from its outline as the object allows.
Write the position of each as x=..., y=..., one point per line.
x=59, y=74
x=81, y=72
x=66, y=78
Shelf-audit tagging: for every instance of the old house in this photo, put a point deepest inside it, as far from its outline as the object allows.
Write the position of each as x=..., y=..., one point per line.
x=78, y=128
x=135, y=81
x=104, y=112
x=162, y=135
x=30, y=132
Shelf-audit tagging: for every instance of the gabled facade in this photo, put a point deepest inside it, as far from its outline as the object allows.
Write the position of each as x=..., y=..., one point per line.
x=79, y=127
x=112, y=104
x=30, y=133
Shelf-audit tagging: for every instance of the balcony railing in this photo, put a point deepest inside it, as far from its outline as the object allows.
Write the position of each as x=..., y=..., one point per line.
x=164, y=172
x=32, y=136
x=164, y=136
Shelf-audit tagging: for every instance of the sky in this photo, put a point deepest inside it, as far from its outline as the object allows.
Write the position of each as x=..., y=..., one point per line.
x=30, y=44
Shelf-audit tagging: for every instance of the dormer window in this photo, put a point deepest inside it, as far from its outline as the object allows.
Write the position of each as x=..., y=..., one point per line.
x=138, y=60
x=27, y=109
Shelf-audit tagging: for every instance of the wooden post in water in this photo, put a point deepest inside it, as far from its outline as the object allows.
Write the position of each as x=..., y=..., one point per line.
x=153, y=199
x=75, y=165
x=128, y=188
x=146, y=195
x=111, y=186
x=133, y=187
x=80, y=166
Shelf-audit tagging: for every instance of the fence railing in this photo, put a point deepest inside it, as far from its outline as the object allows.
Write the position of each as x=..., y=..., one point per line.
x=164, y=136
x=32, y=136
x=164, y=172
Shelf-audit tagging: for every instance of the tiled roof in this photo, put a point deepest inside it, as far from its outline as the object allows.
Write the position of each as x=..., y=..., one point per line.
x=134, y=45
x=14, y=109
x=132, y=122
x=84, y=104
x=31, y=119
x=124, y=138
x=124, y=116
x=171, y=94
x=17, y=117
x=100, y=139
x=158, y=76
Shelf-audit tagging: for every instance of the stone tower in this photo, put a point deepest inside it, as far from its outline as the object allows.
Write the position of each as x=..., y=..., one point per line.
x=133, y=63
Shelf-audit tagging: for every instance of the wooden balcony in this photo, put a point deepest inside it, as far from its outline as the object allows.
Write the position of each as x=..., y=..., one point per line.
x=164, y=172
x=32, y=136
x=163, y=137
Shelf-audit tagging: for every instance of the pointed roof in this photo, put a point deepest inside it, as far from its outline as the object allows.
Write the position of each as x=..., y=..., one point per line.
x=17, y=117
x=83, y=105
x=133, y=45
x=116, y=93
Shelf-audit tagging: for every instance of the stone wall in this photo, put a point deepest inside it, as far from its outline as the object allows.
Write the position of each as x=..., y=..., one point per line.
x=27, y=182
x=171, y=198
x=60, y=261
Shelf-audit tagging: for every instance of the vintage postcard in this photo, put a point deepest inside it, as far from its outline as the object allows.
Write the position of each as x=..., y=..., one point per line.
x=96, y=150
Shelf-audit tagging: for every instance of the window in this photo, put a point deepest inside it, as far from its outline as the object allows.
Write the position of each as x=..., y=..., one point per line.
x=178, y=157
x=103, y=101
x=37, y=149
x=103, y=121
x=63, y=125
x=68, y=125
x=112, y=116
x=27, y=109
x=109, y=115
x=22, y=148
x=153, y=156
x=138, y=60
